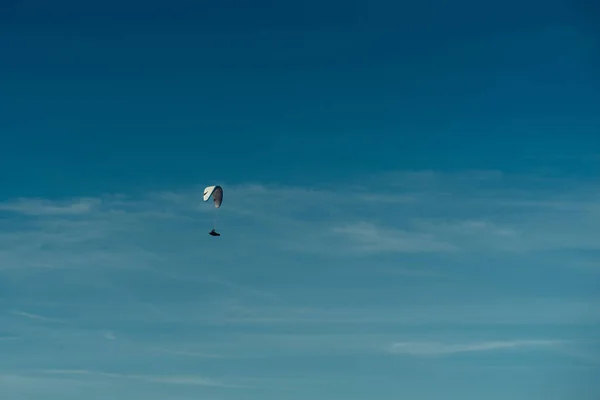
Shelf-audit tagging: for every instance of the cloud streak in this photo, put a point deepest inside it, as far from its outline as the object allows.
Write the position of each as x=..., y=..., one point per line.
x=367, y=238
x=34, y=316
x=438, y=349
x=43, y=207
x=162, y=379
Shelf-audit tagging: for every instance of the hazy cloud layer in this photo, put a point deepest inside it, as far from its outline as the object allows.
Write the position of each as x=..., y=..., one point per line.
x=121, y=288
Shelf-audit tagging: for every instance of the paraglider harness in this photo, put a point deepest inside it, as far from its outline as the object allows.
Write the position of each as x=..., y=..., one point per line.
x=214, y=233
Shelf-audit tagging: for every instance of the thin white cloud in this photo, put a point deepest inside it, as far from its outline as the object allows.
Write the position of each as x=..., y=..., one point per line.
x=261, y=345
x=436, y=348
x=19, y=385
x=109, y=336
x=188, y=380
x=33, y=206
x=525, y=312
x=366, y=237
x=187, y=353
x=388, y=198
x=34, y=316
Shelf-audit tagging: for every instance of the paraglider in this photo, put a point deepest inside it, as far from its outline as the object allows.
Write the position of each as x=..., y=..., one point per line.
x=216, y=192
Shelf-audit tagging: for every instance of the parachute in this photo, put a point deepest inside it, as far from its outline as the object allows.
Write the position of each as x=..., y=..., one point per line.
x=216, y=192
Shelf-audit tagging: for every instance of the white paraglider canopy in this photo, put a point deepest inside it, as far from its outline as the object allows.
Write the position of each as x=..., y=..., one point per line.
x=217, y=194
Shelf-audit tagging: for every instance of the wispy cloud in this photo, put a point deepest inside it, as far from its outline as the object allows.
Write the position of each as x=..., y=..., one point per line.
x=435, y=348
x=48, y=207
x=188, y=353
x=34, y=316
x=192, y=380
x=525, y=312
x=366, y=237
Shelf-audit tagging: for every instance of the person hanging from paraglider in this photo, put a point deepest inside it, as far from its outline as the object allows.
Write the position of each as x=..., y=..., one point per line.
x=217, y=194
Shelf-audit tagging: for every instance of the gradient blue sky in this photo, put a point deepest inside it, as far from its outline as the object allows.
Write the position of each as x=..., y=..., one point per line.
x=411, y=204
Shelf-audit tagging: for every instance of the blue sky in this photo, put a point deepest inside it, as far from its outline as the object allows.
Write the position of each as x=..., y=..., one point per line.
x=411, y=200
